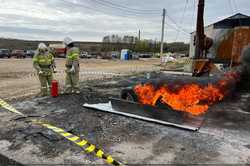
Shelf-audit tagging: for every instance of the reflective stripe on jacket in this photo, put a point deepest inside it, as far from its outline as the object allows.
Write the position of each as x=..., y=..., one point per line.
x=72, y=58
x=43, y=59
x=43, y=62
x=73, y=54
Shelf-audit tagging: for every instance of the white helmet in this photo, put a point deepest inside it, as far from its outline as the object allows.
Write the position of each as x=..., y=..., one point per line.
x=42, y=46
x=67, y=41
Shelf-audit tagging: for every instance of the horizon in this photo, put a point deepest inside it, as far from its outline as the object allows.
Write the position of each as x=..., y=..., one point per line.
x=80, y=41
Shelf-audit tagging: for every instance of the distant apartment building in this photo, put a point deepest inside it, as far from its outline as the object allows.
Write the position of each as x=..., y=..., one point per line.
x=112, y=39
x=117, y=39
x=129, y=39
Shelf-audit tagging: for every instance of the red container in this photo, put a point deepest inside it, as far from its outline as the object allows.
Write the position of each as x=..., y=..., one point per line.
x=54, y=88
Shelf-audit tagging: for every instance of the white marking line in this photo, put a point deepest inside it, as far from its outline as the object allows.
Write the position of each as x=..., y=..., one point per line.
x=177, y=73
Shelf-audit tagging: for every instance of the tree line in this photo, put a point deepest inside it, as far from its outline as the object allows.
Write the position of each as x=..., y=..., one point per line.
x=142, y=46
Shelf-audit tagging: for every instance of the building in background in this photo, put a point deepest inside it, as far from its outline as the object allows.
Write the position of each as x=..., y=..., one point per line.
x=112, y=39
x=119, y=39
x=230, y=36
x=129, y=39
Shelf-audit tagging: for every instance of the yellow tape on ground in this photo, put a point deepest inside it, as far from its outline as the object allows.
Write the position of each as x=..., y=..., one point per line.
x=82, y=143
x=75, y=139
x=9, y=107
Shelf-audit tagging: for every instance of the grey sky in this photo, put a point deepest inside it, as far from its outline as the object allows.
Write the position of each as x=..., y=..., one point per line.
x=90, y=20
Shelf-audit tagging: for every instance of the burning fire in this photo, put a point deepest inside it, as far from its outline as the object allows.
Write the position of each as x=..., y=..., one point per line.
x=192, y=98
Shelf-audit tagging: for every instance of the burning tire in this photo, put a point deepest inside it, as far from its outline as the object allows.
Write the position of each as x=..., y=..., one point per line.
x=129, y=95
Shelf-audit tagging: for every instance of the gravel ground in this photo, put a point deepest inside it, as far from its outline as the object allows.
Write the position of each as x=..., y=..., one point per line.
x=19, y=80
x=223, y=139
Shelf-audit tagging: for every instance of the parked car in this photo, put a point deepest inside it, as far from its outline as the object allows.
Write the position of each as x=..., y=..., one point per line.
x=18, y=54
x=30, y=53
x=146, y=55
x=5, y=53
x=135, y=56
x=85, y=54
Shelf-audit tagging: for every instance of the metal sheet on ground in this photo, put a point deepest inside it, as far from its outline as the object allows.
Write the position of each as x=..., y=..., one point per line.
x=152, y=114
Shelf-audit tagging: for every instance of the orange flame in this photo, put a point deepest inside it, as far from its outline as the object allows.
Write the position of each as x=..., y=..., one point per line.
x=192, y=98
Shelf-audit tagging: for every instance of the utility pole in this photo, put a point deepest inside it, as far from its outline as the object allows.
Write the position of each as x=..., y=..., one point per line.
x=139, y=35
x=199, y=39
x=162, y=31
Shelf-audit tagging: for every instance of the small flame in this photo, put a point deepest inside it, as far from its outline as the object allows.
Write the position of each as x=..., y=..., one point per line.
x=192, y=98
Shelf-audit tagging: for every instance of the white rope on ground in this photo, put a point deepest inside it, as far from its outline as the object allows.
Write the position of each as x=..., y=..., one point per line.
x=34, y=74
x=135, y=69
x=84, y=76
x=32, y=92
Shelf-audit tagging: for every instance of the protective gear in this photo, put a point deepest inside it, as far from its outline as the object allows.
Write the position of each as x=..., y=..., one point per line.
x=67, y=41
x=43, y=63
x=42, y=46
x=77, y=92
x=54, y=70
x=40, y=72
x=72, y=71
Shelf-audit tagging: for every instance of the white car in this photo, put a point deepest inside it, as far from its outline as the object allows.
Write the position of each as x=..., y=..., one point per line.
x=85, y=54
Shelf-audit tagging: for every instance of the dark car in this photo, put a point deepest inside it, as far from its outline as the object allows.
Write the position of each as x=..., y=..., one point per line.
x=4, y=53
x=18, y=54
x=146, y=55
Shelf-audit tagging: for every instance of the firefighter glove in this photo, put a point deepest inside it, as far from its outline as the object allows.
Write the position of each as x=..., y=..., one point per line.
x=40, y=72
x=72, y=70
x=54, y=70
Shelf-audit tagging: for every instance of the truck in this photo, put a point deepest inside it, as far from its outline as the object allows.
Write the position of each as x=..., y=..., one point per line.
x=58, y=50
x=18, y=54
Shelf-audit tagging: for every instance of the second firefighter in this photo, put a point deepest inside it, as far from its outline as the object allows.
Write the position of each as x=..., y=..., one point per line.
x=72, y=67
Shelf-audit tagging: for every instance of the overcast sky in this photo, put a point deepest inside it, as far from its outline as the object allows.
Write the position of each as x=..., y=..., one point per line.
x=90, y=20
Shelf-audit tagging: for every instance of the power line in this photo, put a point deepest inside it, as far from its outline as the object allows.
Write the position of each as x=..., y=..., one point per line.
x=178, y=27
x=194, y=11
x=128, y=8
x=182, y=19
x=231, y=6
x=116, y=7
x=101, y=11
x=90, y=8
x=235, y=5
x=98, y=10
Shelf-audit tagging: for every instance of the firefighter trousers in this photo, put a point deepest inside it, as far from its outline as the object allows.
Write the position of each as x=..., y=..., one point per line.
x=45, y=81
x=72, y=82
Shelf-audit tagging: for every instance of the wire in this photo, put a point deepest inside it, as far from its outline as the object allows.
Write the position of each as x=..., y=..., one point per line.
x=231, y=6
x=235, y=5
x=193, y=16
x=110, y=5
x=178, y=27
x=182, y=20
x=128, y=8
x=97, y=10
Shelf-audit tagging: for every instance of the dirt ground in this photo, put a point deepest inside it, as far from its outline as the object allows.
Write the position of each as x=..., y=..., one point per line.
x=18, y=78
x=224, y=137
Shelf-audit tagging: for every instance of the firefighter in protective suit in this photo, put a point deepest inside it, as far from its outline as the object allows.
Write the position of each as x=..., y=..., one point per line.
x=44, y=63
x=72, y=67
